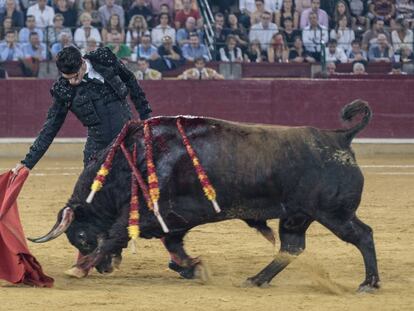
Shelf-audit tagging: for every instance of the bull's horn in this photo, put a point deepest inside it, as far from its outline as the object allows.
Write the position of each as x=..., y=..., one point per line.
x=58, y=228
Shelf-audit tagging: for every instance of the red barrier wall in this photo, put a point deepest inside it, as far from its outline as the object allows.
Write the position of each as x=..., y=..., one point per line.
x=24, y=103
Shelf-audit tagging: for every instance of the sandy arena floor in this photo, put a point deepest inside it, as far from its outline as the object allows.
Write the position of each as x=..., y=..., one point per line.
x=324, y=277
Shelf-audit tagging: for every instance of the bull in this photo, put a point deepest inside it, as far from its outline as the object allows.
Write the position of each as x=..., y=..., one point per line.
x=260, y=172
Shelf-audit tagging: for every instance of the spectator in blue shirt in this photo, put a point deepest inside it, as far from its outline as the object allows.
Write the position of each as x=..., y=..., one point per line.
x=34, y=48
x=183, y=34
x=9, y=50
x=30, y=27
x=145, y=49
x=195, y=49
x=65, y=40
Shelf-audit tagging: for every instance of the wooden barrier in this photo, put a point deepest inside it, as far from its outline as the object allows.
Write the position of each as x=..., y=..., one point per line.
x=24, y=103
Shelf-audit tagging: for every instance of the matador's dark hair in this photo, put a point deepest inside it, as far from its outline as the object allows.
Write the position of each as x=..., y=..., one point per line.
x=69, y=60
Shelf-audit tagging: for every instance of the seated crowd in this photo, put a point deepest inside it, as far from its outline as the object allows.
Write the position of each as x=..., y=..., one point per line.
x=161, y=35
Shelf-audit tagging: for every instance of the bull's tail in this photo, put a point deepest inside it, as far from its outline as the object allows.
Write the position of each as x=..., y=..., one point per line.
x=348, y=113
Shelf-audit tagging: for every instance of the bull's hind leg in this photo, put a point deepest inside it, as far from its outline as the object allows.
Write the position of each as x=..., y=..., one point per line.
x=180, y=261
x=292, y=237
x=354, y=231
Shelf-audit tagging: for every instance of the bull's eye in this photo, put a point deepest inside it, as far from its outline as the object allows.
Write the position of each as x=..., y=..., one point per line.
x=82, y=235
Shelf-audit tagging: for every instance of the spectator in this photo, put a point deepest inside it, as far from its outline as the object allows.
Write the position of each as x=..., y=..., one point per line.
x=195, y=49
x=238, y=31
x=257, y=13
x=169, y=56
x=89, y=7
x=43, y=14
x=358, y=10
x=254, y=53
x=383, y=9
x=329, y=7
x=86, y=31
x=320, y=14
x=302, y=5
x=263, y=31
x=231, y=52
x=164, y=10
x=144, y=72
x=401, y=35
x=313, y=36
x=7, y=26
x=145, y=49
x=396, y=69
x=406, y=54
x=343, y=35
x=114, y=23
x=357, y=54
x=335, y=54
x=15, y=15
x=382, y=51
x=278, y=51
x=139, y=7
x=220, y=32
x=30, y=27
x=91, y=45
x=64, y=40
x=121, y=50
x=298, y=54
x=341, y=10
x=288, y=11
x=358, y=69
x=10, y=50
x=331, y=69
x=246, y=8
x=289, y=33
x=162, y=30
x=156, y=6
x=370, y=37
x=34, y=48
x=181, y=16
x=183, y=34
x=405, y=9
x=178, y=5
x=136, y=29
x=70, y=14
x=200, y=72
x=107, y=11
x=53, y=32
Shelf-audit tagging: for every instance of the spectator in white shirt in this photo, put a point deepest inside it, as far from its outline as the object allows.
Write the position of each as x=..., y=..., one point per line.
x=343, y=35
x=43, y=14
x=263, y=31
x=162, y=30
x=401, y=35
x=313, y=36
x=86, y=31
x=335, y=54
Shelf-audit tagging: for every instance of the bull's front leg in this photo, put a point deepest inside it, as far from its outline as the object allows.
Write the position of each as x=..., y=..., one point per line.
x=181, y=262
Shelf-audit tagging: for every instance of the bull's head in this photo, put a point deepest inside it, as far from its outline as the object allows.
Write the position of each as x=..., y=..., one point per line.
x=87, y=237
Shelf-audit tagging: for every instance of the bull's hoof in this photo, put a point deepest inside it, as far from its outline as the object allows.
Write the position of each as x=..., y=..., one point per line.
x=76, y=272
x=202, y=272
x=254, y=282
x=369, y=286
x=186, y=273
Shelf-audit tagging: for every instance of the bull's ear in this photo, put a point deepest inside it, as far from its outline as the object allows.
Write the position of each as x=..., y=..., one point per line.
x=65, y=218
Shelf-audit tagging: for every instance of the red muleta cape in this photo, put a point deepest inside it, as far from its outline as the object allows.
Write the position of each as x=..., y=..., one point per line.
x=17, y=265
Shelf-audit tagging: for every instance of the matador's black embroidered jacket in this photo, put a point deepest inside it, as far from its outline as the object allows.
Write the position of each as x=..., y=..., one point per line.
x=101, y=107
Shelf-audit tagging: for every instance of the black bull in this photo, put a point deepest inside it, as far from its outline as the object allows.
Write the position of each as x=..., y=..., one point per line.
x=260, y=172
